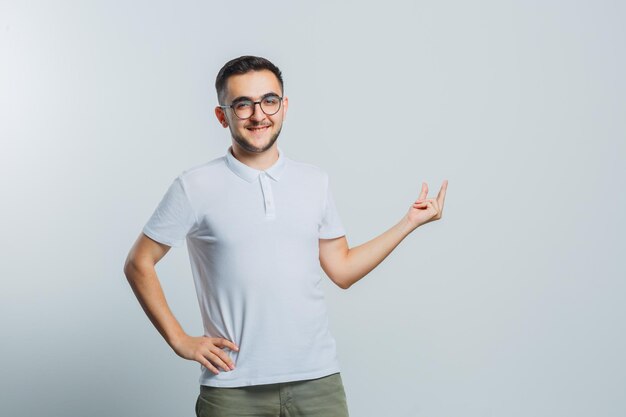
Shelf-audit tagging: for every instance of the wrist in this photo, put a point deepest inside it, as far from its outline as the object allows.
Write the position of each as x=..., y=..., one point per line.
x=176, y=338
x=406, y=226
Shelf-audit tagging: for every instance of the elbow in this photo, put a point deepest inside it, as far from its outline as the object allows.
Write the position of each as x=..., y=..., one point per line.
x=137, y=269
x=130, y=268
x=342, y=277
x=344, y=284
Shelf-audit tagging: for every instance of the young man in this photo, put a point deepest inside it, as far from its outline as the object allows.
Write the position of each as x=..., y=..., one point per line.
x=258, y=225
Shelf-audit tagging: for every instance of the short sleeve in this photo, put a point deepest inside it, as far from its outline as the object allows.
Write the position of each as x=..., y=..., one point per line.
x=331, y=226
x=173, y=218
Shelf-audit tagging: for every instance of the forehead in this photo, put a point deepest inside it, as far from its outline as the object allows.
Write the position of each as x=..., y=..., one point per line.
x=252, y=84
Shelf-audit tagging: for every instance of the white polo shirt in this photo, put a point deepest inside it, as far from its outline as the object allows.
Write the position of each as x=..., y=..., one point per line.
x=253, y=241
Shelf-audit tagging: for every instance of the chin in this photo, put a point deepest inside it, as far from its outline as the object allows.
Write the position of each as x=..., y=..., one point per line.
x=250, y=147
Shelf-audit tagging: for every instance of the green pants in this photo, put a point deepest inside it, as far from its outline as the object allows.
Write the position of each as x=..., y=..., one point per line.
x=321, y=397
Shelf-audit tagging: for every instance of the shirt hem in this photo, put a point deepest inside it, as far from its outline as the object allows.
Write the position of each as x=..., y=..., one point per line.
x=333, y=234
x=157, y=237
x=243, y=382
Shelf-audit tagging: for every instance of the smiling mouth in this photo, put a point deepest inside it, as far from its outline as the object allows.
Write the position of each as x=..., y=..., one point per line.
x=258, y=128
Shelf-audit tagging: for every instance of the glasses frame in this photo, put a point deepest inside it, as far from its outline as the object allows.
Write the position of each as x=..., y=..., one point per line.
x=254, y=103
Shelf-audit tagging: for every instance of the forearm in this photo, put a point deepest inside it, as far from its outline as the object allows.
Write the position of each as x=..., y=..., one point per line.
x=362, y=259
x=145, y=284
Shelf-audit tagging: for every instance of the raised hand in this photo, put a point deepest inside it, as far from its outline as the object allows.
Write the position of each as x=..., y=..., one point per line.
x=207, y=351
x=425, y=210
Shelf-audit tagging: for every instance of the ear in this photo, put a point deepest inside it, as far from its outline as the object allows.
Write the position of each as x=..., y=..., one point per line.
x=285, y=106
x=221, y=116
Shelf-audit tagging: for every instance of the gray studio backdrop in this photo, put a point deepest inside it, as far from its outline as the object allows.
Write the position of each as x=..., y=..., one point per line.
x=511, y=305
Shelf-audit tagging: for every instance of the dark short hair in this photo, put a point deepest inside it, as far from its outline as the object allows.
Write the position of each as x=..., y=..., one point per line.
x=243, y=65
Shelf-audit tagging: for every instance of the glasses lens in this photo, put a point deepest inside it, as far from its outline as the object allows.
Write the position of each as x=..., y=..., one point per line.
x=244, y=108
x=270, y=105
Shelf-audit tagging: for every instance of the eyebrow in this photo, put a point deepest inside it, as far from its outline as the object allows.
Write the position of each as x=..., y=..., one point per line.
x=240, y=98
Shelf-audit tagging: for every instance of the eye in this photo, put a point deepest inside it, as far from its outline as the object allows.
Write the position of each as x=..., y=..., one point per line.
x=240, y=105
x=271, y=100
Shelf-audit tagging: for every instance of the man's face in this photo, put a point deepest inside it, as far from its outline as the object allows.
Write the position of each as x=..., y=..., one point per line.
x=258, y=133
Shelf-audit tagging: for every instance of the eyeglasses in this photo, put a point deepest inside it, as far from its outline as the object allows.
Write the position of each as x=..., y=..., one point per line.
x=244, y=108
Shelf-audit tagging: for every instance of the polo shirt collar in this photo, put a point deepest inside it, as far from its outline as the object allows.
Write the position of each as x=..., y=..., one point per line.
x=250, y=174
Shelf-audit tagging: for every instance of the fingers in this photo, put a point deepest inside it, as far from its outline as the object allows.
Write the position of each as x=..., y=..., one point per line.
x=209, y=365
x=429, y=205
x=432, y=203
x=216, y=357
x=441, y=196
x=424, y=192
x=221, y=342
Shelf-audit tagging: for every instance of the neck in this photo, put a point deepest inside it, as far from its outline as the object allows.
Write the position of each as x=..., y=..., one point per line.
x=260, y=161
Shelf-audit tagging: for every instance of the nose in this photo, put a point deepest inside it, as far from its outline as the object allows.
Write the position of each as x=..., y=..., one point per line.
x=257, y=113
